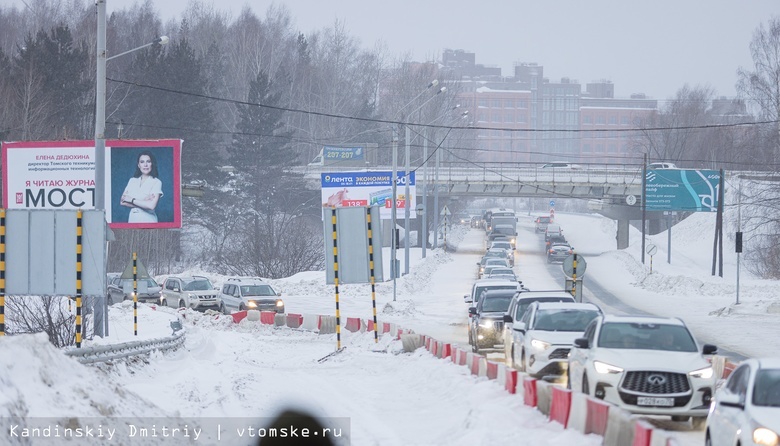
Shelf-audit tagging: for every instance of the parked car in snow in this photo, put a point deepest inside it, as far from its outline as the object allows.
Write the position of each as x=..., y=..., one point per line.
x=122, y=289
x=746, y=409
x=644, y=365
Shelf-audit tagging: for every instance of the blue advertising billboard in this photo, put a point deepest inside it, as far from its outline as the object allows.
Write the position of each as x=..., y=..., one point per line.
x=343, y=153
x=682, y=190
x=348, y=189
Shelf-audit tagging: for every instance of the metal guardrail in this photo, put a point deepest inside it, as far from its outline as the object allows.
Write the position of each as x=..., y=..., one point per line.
x=103, y=353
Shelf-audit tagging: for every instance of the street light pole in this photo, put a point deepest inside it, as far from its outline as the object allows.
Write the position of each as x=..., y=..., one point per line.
x=101, y=321
x=394, y=242
x=407, y=201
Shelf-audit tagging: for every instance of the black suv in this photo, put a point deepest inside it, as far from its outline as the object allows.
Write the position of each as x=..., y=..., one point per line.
x=487, y=320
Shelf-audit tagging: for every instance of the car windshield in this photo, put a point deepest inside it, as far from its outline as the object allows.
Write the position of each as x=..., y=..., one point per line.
x=149, y=282
x=480, y=289
x=766, y=391
x=197, y=285
x=257, y=290
x=525, y=303
x=544, y=219
x=495, y=304
x=564, y=319
x=502, y=245
x=644, y=336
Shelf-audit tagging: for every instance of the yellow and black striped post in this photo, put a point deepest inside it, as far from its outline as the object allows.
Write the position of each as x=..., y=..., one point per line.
x=79, y=231
x=371, y=269
x=2, y=272
x=336, y=278
x=574, y=277
x=135, y=294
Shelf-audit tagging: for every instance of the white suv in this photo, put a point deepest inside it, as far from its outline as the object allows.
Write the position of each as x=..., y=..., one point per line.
x=645, y=365
x=543, y=337
x=250, y=293
x=194, y=292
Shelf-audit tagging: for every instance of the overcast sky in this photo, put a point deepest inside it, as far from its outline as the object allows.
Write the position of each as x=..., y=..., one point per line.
x=653, y=47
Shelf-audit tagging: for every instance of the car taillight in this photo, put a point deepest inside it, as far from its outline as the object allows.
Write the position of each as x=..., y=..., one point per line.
x=552, y=251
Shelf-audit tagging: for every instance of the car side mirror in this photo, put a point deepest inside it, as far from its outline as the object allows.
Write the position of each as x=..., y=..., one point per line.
x=508, y=319
x=472, y=310
x=709, y=349
x=519, y=326
x=467, y=299
x=478, y=263
x=581, y=343
x=729, y=399
x=279, y=293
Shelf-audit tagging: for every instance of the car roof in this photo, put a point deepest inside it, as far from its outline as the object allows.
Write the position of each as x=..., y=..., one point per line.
x=532, y=295
x=496, y=281
x=491, y=293
x=643, y=319
x=567, y=306
x=767, y=363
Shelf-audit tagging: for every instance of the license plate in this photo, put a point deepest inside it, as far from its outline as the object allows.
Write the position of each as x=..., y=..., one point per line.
x=645, y=401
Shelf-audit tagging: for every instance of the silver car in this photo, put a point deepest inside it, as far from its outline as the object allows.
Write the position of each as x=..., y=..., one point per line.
x=242, y=293
x=194, y=292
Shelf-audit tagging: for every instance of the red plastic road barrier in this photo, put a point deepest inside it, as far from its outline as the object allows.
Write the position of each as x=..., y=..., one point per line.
x=510, y=381
x=728, y=368
x=462, y=358
x=370, y=325
x=446, y=350
x=475, y=364
x=399, y=333
x=267, y=317
x=454, y=355
x=294, y=320
x=238, y=316
x=560, y=405
x=434, y=348
x=353, y=324
x=492, y=370
x=596, y=417
x=643, y=433
x=529, y=396
x=385, y=327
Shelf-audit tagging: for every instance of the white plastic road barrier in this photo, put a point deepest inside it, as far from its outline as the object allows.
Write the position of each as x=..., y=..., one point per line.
x=253, y=315
x=501, y=375
x=620, y=428
x=280, y=320
x=543, y=396
x=310, y=322
x=579, y=411
x=411, y=342
x=662, y=438
x=327, y=324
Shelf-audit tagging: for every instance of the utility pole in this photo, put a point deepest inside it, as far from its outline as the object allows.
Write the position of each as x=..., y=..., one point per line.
x=407, y=200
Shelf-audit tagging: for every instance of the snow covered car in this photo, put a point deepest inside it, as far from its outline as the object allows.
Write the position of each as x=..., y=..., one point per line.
x=544, y=336
x=250, y=293
x=746, y=410
x=644, y=365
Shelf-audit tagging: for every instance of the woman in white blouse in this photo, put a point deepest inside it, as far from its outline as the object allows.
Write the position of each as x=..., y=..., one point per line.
x=143, y=190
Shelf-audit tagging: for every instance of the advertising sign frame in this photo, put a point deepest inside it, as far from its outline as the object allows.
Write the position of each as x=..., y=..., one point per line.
x=682, y=190
x=368, y=188
x=56, y=175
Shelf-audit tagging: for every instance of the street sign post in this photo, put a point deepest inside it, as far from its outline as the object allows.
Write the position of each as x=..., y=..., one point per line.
x=651, y=250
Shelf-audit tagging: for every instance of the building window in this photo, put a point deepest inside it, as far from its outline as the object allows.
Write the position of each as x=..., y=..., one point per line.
x=586, y=148
x=613, y=148
x=613, y=120
x=587, y=119
x=495, y=117
x=599, y=148
x=521, y=118
x=495, y=103
x=482, y=117
x=509, y=103
x=509, y=117
x=495, y=133
x=600, y=119
x=624, y=120
x=522, y=103
x=483, y=102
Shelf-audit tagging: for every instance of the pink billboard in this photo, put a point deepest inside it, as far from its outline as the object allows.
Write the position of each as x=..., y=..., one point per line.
x=142, y=184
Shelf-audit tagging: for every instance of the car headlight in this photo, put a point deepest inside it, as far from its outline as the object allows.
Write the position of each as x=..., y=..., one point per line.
x=604, y=368
x=486, y=324
x=705, y=373
x=251, y=304
x=765, y=437
x=539, y=344
x=279, y=303
x=192, y=297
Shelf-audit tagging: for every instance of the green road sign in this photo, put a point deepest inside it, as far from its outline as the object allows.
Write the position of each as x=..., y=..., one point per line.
x=682, y=190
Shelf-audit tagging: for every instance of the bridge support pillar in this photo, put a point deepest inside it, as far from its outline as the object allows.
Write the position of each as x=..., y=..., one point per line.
x=622, y=234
